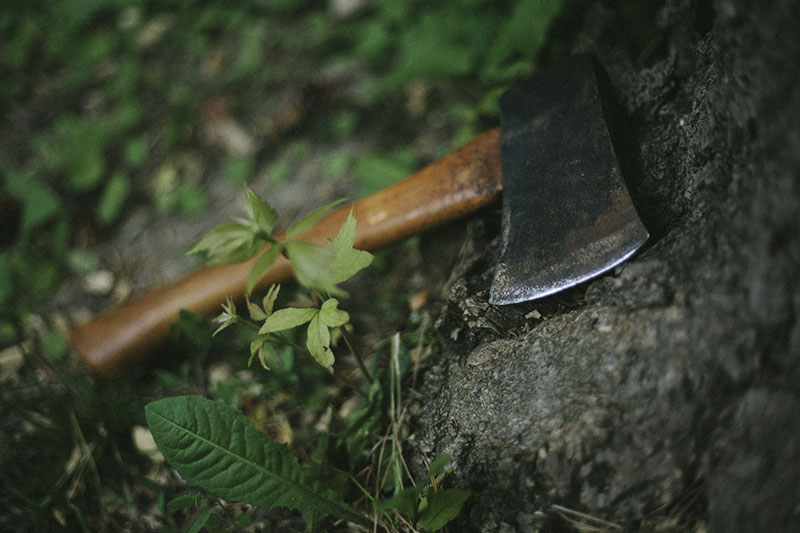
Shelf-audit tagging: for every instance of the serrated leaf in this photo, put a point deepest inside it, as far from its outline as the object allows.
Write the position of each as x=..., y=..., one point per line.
x=331, y=315
x=319, y=342
x=214, y=446
x=227, y=243
x=442, y=507
x=308, y=221
x=288, y=318
x=347, y=261
x=311, y=264
x=262, y=264
x=261, y=212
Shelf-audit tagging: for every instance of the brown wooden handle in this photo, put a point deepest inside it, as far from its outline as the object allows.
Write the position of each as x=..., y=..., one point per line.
x=458, y=184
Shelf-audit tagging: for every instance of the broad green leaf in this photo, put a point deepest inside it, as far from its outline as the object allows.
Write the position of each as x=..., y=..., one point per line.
x=331, y=315
x=308, y=221
x=262, y=264
x=319, y=342
x=288, y=318
x=229, y=242
x=214, y=446
x=261, y=212
x=347, y=261
x=442, y=507
x=311, y=264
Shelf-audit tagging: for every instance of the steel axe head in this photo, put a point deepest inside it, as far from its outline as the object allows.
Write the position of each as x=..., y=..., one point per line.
x=567, y=215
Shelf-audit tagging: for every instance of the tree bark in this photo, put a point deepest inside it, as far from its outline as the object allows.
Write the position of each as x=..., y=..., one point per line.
x=667, y=392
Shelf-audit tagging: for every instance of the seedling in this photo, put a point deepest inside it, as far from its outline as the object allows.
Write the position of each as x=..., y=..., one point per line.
x=214, y=446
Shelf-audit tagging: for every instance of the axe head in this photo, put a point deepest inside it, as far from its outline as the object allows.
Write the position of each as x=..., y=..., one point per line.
x=567, y=215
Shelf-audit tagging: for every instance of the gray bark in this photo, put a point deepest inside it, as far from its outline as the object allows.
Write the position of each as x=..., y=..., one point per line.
x=665, y=393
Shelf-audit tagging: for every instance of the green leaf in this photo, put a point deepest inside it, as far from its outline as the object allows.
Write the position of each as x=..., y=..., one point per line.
x=227, y=317
x=437, y=466
x=113, y=198
x=262, y=264
x=288, y=318
x=261, y=212
x=308, y=221
x=256, y=313
x=214, y=446
x=331, y=315
x=183, y=501
x=201, y=521
x=270, y=297
x=442, y=507
x=40, y=202
x=319, y=342
x=259, y=347
x=347, y=261
x=229, y=242
x=311, y=264
x=403, y=502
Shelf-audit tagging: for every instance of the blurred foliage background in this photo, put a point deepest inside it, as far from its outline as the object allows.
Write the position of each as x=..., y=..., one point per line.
x=101, y=101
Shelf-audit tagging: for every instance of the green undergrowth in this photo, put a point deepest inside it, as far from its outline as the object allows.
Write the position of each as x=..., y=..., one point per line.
x=104, y=107
x=354, y=475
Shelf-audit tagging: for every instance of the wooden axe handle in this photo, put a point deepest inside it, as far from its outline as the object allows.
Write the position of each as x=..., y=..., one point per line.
x=458, y=184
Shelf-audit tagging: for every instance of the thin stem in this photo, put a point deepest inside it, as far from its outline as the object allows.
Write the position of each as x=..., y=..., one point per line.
x=352, y=344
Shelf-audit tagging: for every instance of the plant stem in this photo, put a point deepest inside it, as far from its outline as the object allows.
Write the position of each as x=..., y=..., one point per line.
x=352, y=344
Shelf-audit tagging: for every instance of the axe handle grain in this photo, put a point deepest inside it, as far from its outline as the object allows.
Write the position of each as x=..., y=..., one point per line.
x=459, y=183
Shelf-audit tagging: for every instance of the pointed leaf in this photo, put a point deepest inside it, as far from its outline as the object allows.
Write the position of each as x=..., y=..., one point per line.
x=227, y=317
x=259, y=347
x=262, y=264
x=347, y=261
x=308, y=221
x=288, y=318
x=256, y=313
x=440, y=463
x=214, y=446
x=261, y=212
x=331, y=315
x=311, y=264
x=442, y=507
x=270, y=297
x=231, y=242
x=319, y=343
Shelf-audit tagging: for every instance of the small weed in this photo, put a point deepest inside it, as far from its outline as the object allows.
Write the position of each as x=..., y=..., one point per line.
x=218, y=448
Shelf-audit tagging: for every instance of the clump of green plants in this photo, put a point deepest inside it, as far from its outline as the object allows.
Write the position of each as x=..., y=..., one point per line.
x=216, y=447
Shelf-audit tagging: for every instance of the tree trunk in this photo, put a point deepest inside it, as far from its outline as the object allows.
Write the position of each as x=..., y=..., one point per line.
x=667, y=392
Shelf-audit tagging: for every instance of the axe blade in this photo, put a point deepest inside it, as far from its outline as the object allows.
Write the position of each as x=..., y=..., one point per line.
x=567, y=215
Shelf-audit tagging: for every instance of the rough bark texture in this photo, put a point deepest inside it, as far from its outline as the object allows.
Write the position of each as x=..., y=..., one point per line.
x=666, y=393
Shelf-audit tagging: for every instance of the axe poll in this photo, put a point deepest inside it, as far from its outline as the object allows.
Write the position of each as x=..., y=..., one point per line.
x=566, y=213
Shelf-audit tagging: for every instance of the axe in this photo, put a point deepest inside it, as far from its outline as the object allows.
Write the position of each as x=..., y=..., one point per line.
x=566, y=214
